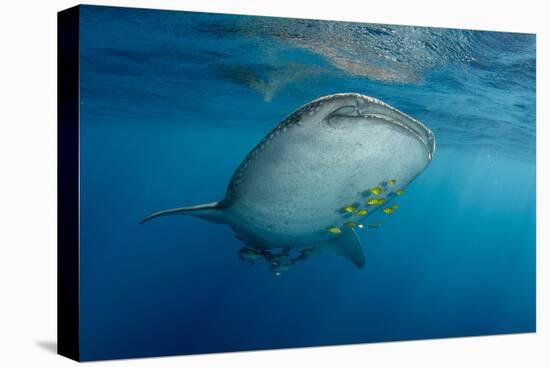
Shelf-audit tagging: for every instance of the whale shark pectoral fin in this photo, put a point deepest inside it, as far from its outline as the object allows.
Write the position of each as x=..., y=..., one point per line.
x=212, y=212
x=349, y=246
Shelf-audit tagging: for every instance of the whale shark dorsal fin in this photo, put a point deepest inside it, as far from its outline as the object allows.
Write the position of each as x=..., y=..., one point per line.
x=349, y=246
x=212, y=212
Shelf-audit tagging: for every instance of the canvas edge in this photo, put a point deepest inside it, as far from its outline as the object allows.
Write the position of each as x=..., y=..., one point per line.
x=68, y=231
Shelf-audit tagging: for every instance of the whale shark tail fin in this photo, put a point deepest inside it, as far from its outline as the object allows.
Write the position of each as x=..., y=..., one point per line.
x=212, y=212
x=349, y=246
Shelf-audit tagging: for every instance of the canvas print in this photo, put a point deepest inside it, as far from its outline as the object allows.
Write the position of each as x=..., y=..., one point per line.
x=245, y=183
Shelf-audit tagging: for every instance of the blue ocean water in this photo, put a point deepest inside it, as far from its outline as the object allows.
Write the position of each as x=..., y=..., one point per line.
x=171, y=102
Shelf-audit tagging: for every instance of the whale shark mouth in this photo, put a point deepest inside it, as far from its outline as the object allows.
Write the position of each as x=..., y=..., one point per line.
x=367, y=107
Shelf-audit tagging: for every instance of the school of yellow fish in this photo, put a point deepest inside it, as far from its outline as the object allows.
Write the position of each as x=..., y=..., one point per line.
x=354, y=209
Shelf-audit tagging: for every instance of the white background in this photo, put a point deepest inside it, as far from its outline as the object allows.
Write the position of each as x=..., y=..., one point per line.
x=28, y=183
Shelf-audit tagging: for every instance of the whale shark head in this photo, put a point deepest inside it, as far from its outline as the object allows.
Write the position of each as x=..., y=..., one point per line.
x=327, y=169
x=342, y=110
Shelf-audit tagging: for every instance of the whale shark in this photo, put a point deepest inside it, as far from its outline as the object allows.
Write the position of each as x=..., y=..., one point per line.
x=307, y=186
